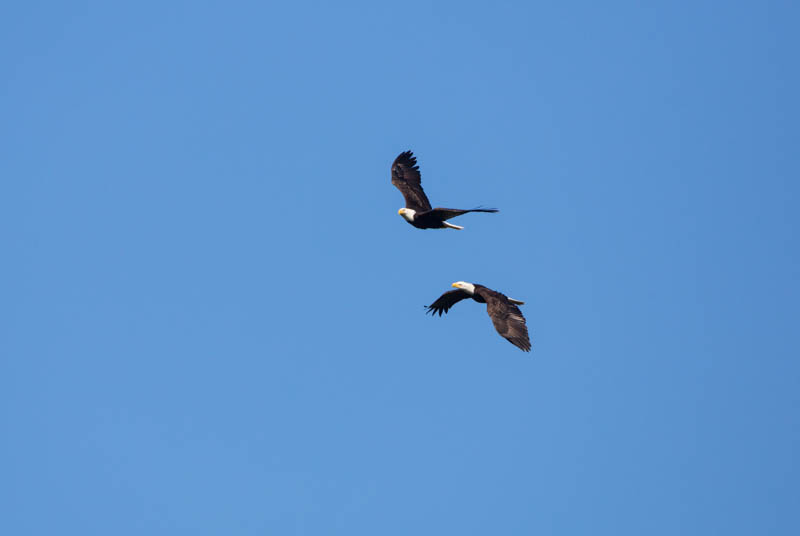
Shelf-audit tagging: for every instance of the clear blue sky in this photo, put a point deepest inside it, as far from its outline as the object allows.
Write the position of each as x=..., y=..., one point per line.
x=212, y=314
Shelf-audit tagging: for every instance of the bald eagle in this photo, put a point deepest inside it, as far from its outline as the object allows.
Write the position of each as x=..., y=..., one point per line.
x=418, y=211
x=505, y=315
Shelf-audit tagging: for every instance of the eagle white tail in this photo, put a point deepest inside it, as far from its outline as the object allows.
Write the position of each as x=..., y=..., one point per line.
x=516, y=302
x=451, y=226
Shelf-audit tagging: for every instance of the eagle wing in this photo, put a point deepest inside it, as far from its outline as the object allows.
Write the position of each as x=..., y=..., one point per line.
x=406, y=178
x=507, y=320
x=446, y=301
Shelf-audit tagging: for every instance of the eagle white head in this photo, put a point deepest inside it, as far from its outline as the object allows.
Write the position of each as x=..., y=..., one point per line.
x=407, y=214
x=463, y=285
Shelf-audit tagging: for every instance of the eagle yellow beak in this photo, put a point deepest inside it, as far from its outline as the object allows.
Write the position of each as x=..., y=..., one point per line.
x=400, y=211
x=454, y=285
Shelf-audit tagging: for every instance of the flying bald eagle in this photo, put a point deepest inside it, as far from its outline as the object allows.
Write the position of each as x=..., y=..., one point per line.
x=505, y=315
x=418, y=211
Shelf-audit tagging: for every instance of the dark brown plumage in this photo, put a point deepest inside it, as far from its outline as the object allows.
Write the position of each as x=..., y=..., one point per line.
x=505, y=315
x=418, y=212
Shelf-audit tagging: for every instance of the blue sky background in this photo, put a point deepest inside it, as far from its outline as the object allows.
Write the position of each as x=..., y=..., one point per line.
x=212, y=315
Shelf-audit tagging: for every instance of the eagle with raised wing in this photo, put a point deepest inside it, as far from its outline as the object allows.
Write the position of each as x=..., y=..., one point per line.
x=418, y=211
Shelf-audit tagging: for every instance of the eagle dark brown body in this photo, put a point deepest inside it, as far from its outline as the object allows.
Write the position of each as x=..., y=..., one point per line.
x=505, y=315
x=418, y=211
